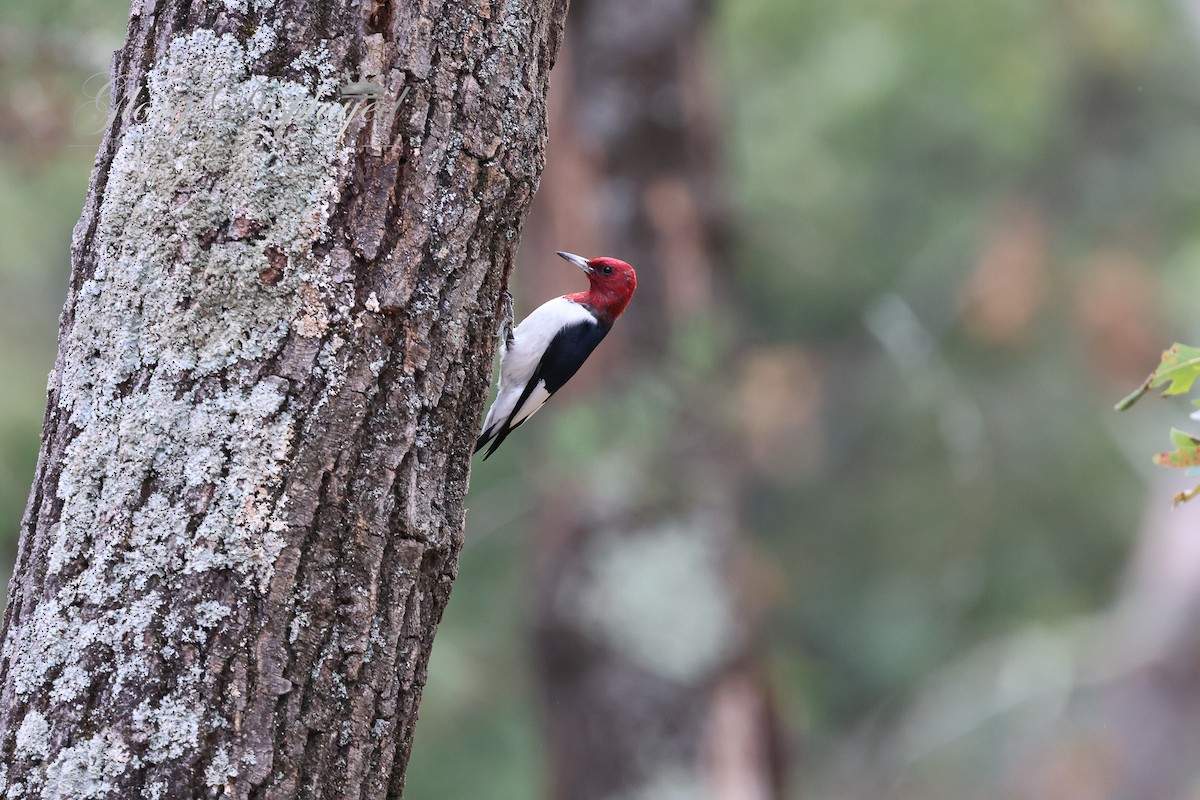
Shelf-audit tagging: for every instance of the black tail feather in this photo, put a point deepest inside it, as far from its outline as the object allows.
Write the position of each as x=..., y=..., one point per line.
x=496, y=439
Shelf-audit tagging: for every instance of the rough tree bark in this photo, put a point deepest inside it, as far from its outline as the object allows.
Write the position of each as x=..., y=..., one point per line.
x=276, y=344
x=645, y=643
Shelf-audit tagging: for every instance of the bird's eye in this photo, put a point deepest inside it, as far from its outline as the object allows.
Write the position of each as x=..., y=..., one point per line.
x=607, y=270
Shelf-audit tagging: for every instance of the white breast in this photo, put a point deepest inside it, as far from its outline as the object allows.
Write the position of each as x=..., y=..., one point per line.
x=532, y=337
x=519, y=361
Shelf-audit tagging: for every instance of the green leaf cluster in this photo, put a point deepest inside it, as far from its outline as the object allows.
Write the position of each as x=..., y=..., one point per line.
x=1178, y=371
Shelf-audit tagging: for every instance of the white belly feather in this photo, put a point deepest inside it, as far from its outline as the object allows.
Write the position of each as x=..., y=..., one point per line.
x=520, y=360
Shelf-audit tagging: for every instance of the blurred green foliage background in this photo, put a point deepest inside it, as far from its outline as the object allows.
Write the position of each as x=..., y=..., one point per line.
x=962, y=231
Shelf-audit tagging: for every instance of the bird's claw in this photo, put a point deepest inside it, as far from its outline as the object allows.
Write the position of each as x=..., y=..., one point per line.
x=506, y=327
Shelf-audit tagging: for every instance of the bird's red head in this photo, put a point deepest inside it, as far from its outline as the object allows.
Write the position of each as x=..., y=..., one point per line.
x=612, y=283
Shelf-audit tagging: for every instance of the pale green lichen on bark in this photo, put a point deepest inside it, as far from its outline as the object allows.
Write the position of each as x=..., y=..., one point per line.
x=33, y=737
x=229, y=178
x=169, y=728
x=219, y=770
x=85, y=771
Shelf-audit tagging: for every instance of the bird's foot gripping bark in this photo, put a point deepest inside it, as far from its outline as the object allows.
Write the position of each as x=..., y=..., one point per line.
x=506, y=327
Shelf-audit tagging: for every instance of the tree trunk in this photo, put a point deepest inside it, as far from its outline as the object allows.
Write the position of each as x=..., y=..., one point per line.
x=645, y=642
x=275, y=349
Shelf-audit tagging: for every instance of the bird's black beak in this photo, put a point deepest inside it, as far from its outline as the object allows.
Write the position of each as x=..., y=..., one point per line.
x=578, y=261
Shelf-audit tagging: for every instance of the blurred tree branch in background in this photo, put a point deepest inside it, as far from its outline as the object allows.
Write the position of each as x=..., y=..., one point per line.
x=86, y=51
x=646, y=638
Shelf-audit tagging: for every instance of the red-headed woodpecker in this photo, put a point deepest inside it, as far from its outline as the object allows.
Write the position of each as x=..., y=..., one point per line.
x=552, y=343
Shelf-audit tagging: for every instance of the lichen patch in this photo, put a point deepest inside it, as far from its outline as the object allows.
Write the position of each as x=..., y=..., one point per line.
x=33, y=736
x=85, y=771
x=226, y=169
x=168, y=728
x=177, y=465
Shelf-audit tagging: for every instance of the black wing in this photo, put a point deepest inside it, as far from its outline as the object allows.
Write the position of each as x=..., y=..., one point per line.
x=566, y=353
